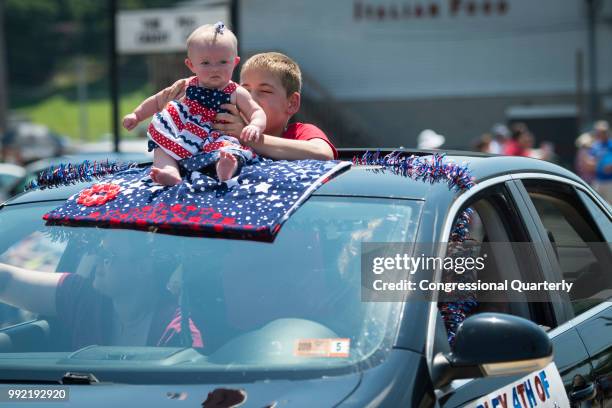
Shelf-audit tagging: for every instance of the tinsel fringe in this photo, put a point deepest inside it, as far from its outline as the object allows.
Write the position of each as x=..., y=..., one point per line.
x=66, y=174
x=420, y=168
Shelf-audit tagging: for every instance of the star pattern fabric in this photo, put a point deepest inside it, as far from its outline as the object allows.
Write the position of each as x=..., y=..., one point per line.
x=252, y=205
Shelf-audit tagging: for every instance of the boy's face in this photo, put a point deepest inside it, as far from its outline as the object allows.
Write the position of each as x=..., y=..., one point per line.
x=212, y=63
x=268, y=91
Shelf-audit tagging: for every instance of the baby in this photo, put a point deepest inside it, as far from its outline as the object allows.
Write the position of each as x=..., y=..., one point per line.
x=211, y=56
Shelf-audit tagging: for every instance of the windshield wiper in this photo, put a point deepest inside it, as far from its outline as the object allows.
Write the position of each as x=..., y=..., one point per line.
x=79, y=378
x=28, y=381
x=70, y=378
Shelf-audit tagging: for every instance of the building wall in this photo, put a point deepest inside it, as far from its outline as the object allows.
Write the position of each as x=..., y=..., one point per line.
x=452, y=65
x=460, y=120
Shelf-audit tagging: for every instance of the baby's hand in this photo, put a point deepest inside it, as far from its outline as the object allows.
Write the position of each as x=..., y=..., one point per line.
x=250, y=133
x=130, y=121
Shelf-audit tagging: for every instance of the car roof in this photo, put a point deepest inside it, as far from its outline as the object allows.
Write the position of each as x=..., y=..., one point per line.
x=373, y=181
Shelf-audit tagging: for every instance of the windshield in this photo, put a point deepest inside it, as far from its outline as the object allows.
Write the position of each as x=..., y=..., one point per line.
x=227, y=304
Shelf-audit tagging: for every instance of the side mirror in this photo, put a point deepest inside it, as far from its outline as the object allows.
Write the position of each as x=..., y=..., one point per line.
x=493, y=344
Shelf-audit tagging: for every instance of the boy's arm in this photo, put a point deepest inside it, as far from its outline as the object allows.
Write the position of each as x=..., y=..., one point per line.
x=274, y=147
x=279, y=148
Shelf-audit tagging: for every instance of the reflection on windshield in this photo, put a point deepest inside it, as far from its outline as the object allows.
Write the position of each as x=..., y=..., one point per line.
x=296, y=302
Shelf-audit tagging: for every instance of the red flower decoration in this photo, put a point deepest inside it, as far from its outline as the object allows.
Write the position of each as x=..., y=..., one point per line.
x=98, y=194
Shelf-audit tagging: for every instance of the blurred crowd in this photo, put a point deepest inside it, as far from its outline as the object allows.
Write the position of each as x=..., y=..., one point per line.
x=517, y=140
x=594, y=158
x=592, y=162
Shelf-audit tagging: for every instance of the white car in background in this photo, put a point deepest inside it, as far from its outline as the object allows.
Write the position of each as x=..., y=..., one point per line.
x=9, y=175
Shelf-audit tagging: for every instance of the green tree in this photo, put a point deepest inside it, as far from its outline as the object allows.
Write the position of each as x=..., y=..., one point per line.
x=30, y=39
x=40, y=33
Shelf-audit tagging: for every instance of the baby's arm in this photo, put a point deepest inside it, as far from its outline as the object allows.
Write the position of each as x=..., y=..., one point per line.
x=154, y=104
x=253, y=113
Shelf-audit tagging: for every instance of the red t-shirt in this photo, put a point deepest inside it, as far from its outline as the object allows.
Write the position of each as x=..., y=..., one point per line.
x=513, y=148
x=306, y=131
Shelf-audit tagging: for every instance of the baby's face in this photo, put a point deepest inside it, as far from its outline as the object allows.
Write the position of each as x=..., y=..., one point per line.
x=212, y=63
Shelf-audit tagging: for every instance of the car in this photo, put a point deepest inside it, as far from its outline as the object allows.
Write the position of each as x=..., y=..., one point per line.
x=26, y=141
x=9, y=175
x=291, y=322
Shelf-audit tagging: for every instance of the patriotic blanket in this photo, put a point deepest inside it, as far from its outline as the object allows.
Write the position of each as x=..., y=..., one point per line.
x=252, y=205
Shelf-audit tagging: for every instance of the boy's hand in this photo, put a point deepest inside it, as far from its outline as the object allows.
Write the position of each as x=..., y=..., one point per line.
x=130, y=121
x=173, y=92
x=231, y=123
x=250, y=133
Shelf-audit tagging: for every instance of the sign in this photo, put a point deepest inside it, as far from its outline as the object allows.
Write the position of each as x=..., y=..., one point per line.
x=162, y=30
x=364, y=10
x=541, y=389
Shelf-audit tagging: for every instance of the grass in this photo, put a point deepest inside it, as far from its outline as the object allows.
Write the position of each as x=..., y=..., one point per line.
x=62, y=114
x=56, y=105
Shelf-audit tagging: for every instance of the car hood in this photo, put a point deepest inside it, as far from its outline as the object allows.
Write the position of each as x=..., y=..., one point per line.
x=161, y=376
x=325, y=392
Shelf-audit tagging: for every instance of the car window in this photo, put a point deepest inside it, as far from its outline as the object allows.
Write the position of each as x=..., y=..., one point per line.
x=32, y=250
x=493, y=226
x=601, y=218
x=581, y=253
x=253, y=303
x=6, y=180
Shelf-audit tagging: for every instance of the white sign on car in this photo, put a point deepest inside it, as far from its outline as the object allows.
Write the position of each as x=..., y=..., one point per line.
x=542, y=389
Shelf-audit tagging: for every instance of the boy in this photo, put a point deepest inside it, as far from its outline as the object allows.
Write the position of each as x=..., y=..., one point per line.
x=275, y=81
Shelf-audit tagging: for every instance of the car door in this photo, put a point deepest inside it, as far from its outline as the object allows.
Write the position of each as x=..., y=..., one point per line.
x=578, y=227
x=502, y=211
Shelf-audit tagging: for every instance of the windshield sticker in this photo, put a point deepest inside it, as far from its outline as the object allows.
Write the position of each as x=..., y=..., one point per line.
x=338, y=348
x=541, y=389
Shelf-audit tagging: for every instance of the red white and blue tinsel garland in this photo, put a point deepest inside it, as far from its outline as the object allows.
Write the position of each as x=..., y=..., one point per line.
x=66, y=174
x=460, y=305
x=252, y=205
x=434, y=169
x=430, y=170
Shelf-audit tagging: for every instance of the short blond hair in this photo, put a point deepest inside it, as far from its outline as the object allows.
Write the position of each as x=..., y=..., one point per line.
x=280, y=65
x=207, y=34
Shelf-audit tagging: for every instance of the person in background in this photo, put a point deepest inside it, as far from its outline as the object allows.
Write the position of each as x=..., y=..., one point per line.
x=500, y=133
x=520, y=142
x=546, y=151
x=430, y=140
x=483, y=144
x=601, y=156
x=583, y=164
